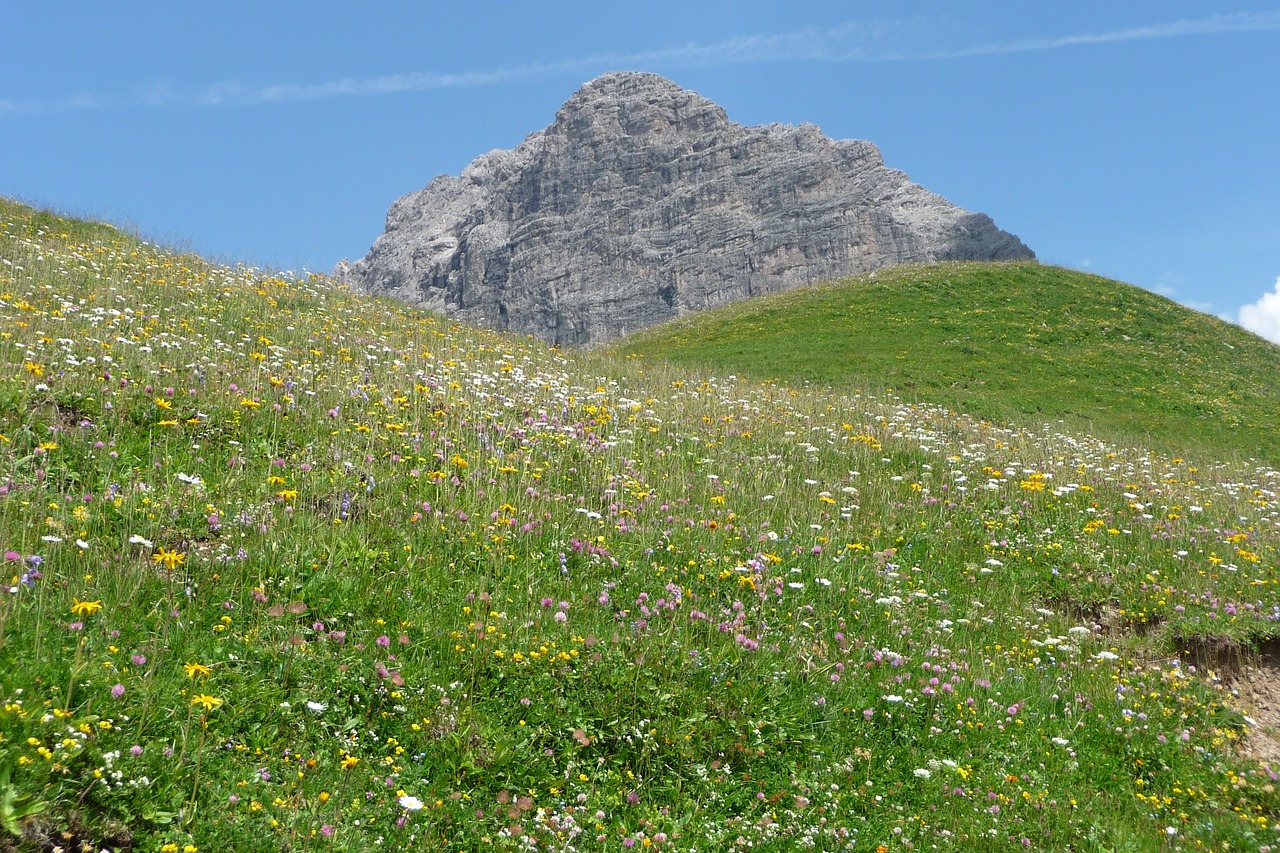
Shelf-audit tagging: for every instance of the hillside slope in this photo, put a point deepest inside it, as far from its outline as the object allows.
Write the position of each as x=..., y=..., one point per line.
x=1016, y=342
x=289, y=569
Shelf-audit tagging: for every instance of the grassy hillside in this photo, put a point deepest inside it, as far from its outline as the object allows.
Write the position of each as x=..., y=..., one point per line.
x=288, y=569
x=1021, y=343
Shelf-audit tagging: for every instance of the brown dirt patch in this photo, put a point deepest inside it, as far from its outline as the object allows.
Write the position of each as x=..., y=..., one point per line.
x=1250, y=679
x=1257, y=695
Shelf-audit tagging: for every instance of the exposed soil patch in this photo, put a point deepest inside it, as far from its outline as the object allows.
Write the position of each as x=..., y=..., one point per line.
x=1251, y=681
x=40, y=834
x=65, y=415
x=1224, y=657
x=1102, y=616
x=1257, y=692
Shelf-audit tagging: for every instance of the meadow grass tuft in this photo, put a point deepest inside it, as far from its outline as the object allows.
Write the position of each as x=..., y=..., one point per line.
x=286, y=568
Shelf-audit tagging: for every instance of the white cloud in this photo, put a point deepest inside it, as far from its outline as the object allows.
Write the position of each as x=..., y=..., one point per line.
x=885, y=41
x=1263, y=317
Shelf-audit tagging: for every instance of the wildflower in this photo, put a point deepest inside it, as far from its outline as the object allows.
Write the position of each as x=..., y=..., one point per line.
x=117, y=691
x=209, y=703
x=349, y=762
x=196, y=669
x=317, y=707
x=169, y=559
x=85, y=608
x=413, y=804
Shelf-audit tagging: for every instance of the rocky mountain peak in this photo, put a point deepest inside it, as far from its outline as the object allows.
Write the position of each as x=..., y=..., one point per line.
x=643, y=201
x=629, y=105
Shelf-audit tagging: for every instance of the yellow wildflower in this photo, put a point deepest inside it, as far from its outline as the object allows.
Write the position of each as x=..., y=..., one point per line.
x=169, y=559
x=85, y=608
x=196, y=669
x=209, y=703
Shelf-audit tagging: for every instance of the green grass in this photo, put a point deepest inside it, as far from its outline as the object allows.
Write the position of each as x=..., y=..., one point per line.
x=288, y=569
x=1012, y=342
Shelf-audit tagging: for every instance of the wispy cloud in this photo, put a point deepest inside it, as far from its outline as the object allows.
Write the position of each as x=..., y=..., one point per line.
x=889, y=41
x=1240, y=22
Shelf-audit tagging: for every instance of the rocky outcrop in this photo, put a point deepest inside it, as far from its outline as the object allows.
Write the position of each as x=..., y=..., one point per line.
x=642, y=202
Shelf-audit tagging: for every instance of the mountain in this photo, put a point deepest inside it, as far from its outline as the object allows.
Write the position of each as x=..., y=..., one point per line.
x=643, y=202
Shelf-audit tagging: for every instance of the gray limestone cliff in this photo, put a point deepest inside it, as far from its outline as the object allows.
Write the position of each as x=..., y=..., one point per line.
x=643, y=202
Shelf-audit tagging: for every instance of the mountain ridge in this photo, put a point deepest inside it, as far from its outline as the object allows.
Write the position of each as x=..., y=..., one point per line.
x=643, y=201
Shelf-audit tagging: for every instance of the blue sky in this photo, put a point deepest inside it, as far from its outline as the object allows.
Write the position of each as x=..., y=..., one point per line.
x=1137, y=140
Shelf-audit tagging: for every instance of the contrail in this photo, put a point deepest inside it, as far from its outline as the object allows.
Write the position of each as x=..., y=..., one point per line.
x=1242, y=22
x=892, y=41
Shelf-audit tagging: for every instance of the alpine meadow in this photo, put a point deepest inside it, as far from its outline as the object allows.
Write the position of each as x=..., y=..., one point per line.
x=291, y=568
